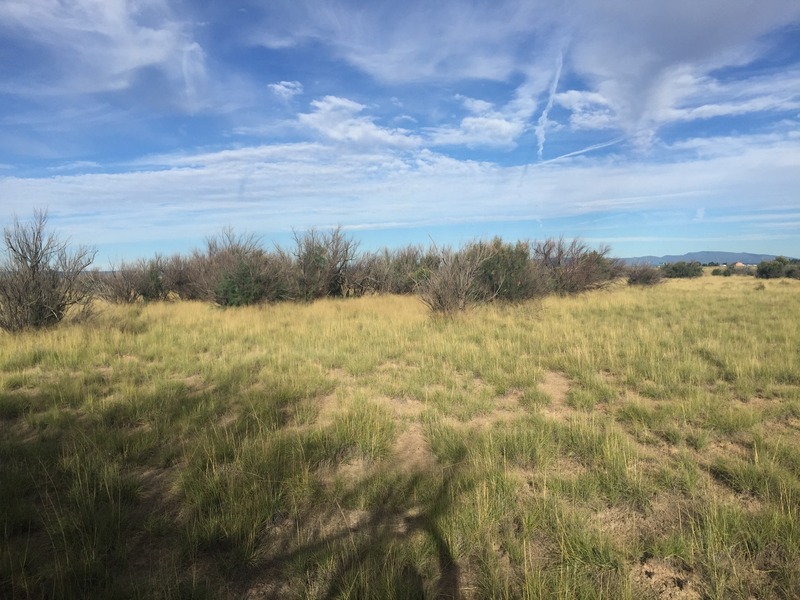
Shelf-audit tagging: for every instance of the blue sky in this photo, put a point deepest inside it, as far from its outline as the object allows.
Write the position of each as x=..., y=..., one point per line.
x=654, y=127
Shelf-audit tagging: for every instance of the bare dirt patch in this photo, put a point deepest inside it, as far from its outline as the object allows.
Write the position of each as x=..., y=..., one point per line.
x=328, y=406
x=412, y=452
x=666, y=581
x=556, y=386
x=408, y=408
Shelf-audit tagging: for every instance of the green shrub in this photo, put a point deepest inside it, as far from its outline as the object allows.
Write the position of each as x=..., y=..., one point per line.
x=240, y=286
x=508, y=273
x=779, y=267
x=682, y=269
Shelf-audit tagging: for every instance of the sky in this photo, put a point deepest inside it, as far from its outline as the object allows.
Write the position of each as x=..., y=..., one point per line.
x=146, y=126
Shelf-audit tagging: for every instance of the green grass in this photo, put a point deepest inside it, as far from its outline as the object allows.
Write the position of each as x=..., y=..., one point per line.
x=361, y=449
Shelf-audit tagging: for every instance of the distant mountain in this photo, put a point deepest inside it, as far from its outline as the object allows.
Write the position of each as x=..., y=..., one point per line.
x=723, y=258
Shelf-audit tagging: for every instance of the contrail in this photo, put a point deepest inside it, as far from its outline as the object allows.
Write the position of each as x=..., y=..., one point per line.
x=541, y=126
x=585, y=150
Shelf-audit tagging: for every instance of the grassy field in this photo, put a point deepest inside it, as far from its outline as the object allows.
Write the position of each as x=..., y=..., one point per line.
x=627, y=443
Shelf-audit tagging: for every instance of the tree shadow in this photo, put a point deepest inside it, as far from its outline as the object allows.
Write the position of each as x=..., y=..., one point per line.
x=394, y=518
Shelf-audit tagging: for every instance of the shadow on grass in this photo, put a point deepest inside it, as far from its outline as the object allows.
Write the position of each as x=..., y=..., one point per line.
x=90, y=509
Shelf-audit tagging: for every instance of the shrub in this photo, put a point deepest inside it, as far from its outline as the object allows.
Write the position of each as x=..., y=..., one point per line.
x=682, y=269
x=779, y=267
x=572, y=267
x=509, y=274
x=41, y=279
x=453, y=285
x=241, y=285
x=321, y=263
x=644, y=275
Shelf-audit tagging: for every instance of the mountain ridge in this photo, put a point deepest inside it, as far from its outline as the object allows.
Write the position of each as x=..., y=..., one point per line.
x=706, y=256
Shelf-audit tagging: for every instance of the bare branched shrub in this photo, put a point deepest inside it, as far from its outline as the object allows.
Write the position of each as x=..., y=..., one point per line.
x=644, y=275
x=573, y=267
x=141, y=280
x=366, y=274
x=454, y=284
x=321, y=263
x=119, y=284
x=41, y=278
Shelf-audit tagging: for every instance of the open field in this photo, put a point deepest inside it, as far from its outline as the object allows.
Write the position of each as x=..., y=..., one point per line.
x=627, y=443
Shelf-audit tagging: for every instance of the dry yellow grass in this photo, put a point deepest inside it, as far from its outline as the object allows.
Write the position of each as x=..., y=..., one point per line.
x=622, y=443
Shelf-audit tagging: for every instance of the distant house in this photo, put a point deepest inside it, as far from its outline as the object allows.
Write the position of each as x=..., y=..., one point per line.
x=738, y=265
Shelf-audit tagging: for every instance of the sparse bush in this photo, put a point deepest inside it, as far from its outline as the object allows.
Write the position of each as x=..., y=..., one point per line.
x=454, y=284
x=120, y=284
x=41, y=279
x=572, y=267
x=644, y=275
x=321, y=263
x=145, y=280
x=682, y=269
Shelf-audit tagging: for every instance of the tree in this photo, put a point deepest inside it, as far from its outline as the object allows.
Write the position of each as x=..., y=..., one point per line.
x=40, y=277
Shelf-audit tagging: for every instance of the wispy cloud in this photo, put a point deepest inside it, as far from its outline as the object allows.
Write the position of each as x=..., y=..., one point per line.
x=301, y=185
x=91, y=46
x=286, y=90
x=541, y=126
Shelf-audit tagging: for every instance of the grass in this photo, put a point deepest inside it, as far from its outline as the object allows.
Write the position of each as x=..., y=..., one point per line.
x=627, y=443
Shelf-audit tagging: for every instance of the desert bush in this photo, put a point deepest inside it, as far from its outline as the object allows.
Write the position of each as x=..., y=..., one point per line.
x=41, y=278
x=644, y=275
x=454, y=284
x=364, y=275
x=321, y=263
x=573, y=267
x=234, y=270
x=682, y=269
x=119, y=284
x=241, y=285
x=176, y=275
x=509, y=274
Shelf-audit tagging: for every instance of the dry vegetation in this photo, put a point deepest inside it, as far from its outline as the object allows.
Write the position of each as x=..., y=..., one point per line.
x=624, y=443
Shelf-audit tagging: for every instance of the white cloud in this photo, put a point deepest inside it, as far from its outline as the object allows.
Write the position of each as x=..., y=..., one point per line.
x=286, y=90
x=337, y=119
x=483, y=131
x=485, y=126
